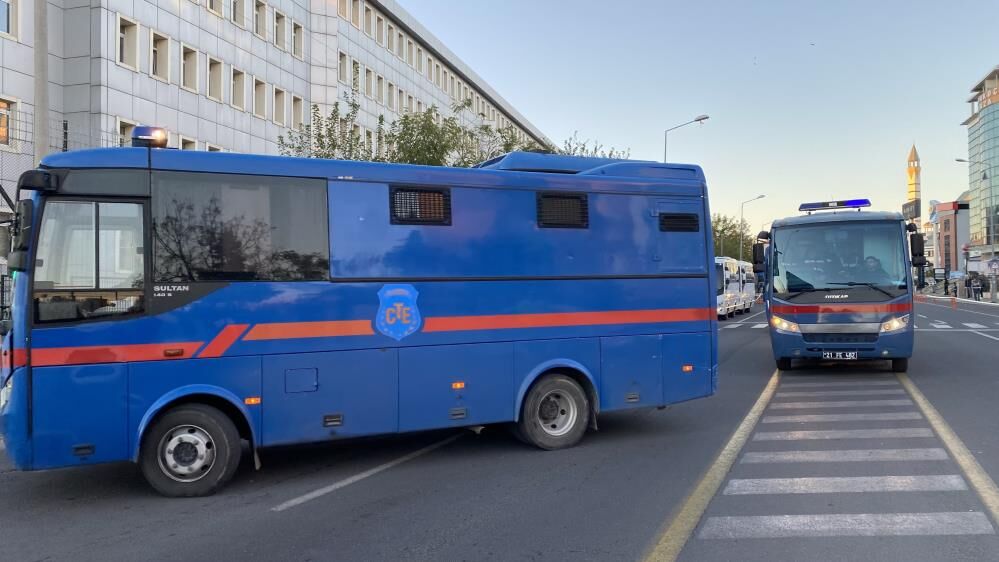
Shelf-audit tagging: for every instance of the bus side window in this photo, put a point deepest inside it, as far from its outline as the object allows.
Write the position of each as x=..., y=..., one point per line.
x=90, y=261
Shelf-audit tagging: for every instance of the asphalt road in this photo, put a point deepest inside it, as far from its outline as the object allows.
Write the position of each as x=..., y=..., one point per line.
x=462, y=496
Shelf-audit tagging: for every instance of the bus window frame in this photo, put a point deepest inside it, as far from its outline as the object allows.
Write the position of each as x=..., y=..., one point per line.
x=44, y=200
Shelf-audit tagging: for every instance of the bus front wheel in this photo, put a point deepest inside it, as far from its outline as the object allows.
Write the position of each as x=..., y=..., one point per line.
x=192, y=450
x=784, y=364
x=900, y=365
x=555, y=414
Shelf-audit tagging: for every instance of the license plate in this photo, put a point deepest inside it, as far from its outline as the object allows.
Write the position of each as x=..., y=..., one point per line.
x=840, y=355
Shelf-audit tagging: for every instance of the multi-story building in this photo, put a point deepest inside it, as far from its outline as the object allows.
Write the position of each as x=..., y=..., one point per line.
x=219, y=74
x=953, y=234
x=983, y=158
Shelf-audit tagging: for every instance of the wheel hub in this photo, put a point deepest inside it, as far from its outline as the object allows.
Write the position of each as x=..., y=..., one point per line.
x=186, y=453
x=557, y=413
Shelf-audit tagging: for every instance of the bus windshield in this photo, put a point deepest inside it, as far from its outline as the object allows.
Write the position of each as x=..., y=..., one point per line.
x=864, y=260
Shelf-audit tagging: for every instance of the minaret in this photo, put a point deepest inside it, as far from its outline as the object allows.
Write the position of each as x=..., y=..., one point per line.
x=913, y=171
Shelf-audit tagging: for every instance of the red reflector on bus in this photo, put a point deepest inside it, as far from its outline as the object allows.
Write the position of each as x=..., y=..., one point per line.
x=252, y=401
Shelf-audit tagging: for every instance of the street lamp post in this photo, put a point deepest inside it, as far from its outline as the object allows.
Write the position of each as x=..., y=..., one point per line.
x=992, y=220
x=742, y=208
x=698, y=119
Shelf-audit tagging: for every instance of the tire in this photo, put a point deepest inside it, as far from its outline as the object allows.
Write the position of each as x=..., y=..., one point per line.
x=784, y=364
x=722, y=317
x=731, y=313
x=555, y=413
x=900, y=365
x=200, y=439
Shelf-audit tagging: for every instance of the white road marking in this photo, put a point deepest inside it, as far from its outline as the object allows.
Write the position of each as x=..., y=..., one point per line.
x=758, y=326
x=730, y=326
x=858, y=382
x=941, y=326
x=847, y=525
x=812, y=418
x=751, y=316
x=865, y=392
x=361, y=476
x=845, y=484
x=974, y=326
x=885, y=433
x=839, y=404
x=851, y=455
x=923, y=316
x=984, y=335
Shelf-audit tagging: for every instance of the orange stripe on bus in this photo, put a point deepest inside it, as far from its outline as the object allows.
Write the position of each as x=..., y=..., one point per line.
x=49, y=356
x=559, y=319
x=296, y=330
x=224, y=340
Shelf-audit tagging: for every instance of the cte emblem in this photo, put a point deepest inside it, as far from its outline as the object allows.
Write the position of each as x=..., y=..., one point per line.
x=398, y=315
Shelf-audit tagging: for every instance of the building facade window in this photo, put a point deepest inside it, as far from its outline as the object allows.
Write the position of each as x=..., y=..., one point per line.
x=280, y=107
x=125, y=129
x=128, y=43
x=380, y=90
x=380, y=30
x=410, y=53
x=280, y=30
x=391, y=96
x=7, y=108
x=214, y=6
x=260, y=18
x=341, y=9
x=355, y=75
x=238, y=89
x=189, y=68
x=391, y=38
x=400, y=45
x=297, y=40
x=188, y=144
x=8, y=16
x=419, y=60
x=297, y=113
x=260, y=98
x=369, y=23
x=369, y=83
x=343, y=68
x=355, y=13
x=213, y=148
x=214, y=79
x=238, y=14
x=159, y=56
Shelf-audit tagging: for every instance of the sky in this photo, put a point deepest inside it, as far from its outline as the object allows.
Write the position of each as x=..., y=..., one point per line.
x=808, y=100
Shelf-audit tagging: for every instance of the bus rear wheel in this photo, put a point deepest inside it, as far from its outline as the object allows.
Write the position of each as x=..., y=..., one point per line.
x=900, y=365
x=192, y=450
x=555, y=413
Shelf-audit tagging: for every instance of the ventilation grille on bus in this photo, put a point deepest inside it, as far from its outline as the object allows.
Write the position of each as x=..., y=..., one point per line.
x=420, y=206
x=679, y=222
x=563, y=210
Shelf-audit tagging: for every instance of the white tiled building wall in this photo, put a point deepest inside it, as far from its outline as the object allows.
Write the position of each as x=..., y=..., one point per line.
x=97, y=89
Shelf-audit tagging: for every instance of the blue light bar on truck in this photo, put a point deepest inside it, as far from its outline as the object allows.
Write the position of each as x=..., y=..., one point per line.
x=830, y=205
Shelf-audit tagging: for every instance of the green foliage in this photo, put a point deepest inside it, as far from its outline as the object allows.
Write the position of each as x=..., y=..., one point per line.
x=427, y=137
x=727, y=235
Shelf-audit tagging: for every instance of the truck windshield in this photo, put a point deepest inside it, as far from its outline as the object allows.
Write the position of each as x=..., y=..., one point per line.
x=720, y=278
x=862, y=260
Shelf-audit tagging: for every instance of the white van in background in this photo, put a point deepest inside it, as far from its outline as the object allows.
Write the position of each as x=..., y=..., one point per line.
x=728, y=286
x=747, y=288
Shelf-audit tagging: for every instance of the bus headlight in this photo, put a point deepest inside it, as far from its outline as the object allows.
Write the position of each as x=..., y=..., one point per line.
x=782, y=325
x=894, y=324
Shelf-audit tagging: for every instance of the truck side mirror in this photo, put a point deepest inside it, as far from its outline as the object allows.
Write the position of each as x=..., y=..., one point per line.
x=4, y=242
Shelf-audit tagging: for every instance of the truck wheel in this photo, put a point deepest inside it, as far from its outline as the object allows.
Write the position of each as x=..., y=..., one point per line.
x=555, y=413
x=900, y=365
x=784, y=363
x=193, y=450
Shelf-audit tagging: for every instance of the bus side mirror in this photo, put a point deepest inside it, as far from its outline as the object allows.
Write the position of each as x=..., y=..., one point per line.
x=916, y=247
x=18, y=258
x=758, y=258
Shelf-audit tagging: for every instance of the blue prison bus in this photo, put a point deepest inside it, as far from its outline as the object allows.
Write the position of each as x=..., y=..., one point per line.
x=839, y=284
x=169, y=305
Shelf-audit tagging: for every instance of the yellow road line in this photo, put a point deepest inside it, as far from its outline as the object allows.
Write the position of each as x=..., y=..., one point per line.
x=980, y=480
x=671, y=541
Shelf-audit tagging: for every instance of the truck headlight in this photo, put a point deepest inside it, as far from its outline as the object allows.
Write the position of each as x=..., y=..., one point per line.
x=895, y=324
x=782, y=325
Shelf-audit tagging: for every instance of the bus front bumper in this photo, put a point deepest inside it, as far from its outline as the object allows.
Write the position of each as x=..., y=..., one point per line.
x=892, y=345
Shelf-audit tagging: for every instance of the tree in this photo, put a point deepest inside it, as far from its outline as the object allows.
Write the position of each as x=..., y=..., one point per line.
x=727, y=235
x=573, y=146
x=333, y=136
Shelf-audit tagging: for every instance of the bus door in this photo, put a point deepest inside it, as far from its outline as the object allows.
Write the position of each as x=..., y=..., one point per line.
x=89, y=283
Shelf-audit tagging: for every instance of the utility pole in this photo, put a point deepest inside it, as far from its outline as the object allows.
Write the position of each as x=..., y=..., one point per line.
x=41, y=60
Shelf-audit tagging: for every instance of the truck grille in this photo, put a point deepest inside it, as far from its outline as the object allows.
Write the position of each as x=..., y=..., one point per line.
x=840, y=338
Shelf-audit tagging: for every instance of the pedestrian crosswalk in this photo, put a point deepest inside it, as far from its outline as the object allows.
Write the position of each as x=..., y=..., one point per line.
x=867, y=471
